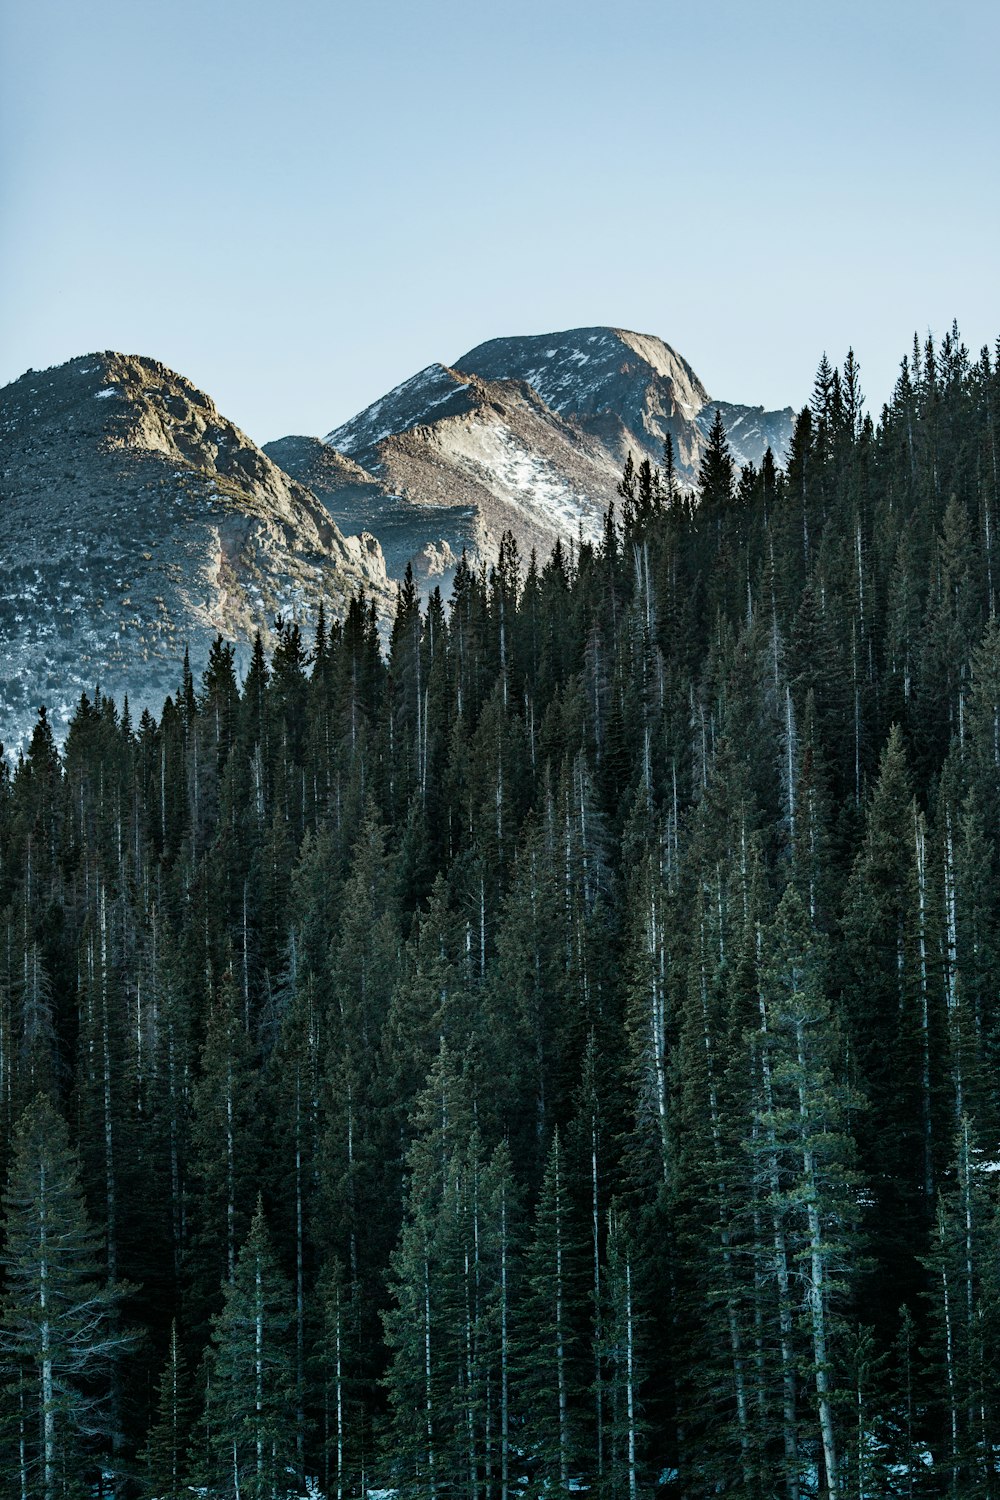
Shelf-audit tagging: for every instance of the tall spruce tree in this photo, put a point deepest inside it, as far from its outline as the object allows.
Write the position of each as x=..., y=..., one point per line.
x=60, y=1325
x=165, y=1458
x=250, y=1437
x=806, y=1124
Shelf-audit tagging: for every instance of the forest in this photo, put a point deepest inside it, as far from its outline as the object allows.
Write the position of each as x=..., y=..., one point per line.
x=548, y=1046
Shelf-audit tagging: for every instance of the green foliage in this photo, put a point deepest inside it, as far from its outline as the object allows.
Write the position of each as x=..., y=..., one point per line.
x=249, y=1426
x=60, y=1329
x=600, y=986
x=165, y=1457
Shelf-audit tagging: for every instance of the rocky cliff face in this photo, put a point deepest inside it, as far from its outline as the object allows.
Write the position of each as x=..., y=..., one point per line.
x=531, y=434
x=409, y=532
x=136, y=520
x=630, y=390
x=486, y=456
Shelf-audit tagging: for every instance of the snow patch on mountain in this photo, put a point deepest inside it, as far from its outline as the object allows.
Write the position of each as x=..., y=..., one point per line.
x=530, y=433
x=526, y=480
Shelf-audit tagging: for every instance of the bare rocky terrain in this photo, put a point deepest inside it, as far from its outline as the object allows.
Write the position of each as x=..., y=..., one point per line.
x=409, y=533
x=135, y=521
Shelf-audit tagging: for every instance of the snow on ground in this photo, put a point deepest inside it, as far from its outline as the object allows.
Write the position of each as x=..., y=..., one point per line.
x=522, y=478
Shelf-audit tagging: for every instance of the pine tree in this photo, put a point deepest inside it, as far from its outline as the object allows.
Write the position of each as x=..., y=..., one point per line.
x=716, y=474
x=548, y=1315
x=886, y=999
x=624, y=1375
x=433, y=1376
x=961, y=1292
x=165, y=1456
x=223, y=1151
x=60, y=1330
x=806, y=1125
x=251, y=1436
x=343, y=1424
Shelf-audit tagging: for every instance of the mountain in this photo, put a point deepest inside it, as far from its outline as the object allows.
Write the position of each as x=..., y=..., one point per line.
x=484, y=456
x=529, y=434
x=612, y=902
x=629, y=390
x=136, y=520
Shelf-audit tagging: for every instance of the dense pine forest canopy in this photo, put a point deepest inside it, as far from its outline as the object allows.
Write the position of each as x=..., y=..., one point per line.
x=559, y=1051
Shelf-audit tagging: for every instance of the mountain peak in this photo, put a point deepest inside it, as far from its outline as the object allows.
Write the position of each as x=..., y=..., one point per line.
x=135, y=519
x=583, y=371
x=435, y=391
x=530, y=433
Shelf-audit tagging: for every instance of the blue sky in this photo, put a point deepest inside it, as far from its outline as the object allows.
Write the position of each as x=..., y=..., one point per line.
x=300, y=204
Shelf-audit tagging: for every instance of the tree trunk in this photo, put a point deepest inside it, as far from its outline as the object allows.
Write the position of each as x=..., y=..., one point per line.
x=259, y=1375
x=45, y=1345
x=781, y=1273
x=816, y=1291
x=504, y=1361
x=633, y=1477
x=428, y=1386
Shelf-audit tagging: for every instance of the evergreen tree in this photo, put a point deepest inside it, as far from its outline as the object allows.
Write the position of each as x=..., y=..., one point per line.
x=165, y=1456
x=549, y=1313
x=624, y=1363
x=806, y=1124
x=60, y=1330
x=250, y=1436
x=224, y=1151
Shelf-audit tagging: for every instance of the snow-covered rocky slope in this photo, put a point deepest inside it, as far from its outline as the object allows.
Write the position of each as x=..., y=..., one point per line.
x=449, y=438
x=136, y=520
x=630, y=390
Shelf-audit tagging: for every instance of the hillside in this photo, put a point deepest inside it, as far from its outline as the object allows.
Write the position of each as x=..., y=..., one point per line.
x=552, y=1051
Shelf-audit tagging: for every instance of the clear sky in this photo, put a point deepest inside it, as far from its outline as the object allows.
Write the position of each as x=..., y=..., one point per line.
x=299, y=204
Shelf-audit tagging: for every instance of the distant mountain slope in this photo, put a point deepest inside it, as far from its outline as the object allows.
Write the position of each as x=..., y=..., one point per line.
x=531, y=434
x=134, y=520
x=319, y=466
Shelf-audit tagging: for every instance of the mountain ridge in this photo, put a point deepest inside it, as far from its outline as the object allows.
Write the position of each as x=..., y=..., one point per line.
x=135, y=518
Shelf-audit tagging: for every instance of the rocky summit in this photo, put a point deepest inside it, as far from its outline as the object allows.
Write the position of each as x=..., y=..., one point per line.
x=531, y=434
x=630, y=390
x=135, y=521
